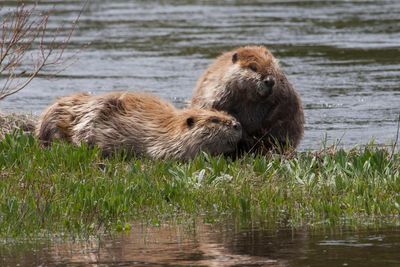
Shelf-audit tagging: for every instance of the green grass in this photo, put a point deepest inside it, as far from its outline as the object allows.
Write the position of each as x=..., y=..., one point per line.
x=73, y=191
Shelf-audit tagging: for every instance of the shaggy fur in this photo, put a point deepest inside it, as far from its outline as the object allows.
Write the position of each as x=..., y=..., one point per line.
x=249, y=84
x=140, y=124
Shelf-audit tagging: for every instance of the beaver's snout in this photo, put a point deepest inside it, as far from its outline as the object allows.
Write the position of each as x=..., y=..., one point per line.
x=237, y=126
x=269, y=82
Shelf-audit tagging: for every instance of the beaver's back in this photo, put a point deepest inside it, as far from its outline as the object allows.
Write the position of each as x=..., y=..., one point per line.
x=56, y=121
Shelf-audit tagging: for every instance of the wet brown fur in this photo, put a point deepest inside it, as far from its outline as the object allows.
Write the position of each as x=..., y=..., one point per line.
x=138, y=123
x=271, y=117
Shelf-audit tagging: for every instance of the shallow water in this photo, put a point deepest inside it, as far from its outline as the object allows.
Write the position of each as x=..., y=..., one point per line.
x=213, y=245
x=342, y=56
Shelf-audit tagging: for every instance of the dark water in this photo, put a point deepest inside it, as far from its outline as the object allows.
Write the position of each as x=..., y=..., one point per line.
x=342, y=56
x=210, y=245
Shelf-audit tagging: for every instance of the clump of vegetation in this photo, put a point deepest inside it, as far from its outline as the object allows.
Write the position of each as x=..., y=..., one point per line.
x=10, y=123
x=67, y=189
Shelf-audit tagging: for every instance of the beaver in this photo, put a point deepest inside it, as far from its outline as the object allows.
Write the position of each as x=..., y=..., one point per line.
x=249, y=84
x=140, y=124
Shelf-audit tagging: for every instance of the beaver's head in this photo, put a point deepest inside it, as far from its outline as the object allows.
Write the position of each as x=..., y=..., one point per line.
x=215, y=132
x=254, y=72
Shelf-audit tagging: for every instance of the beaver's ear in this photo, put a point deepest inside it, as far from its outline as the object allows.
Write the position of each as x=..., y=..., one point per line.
x=190, y=121
x=234, y=58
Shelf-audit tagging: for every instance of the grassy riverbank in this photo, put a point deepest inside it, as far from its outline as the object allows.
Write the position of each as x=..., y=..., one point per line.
x=66, y=189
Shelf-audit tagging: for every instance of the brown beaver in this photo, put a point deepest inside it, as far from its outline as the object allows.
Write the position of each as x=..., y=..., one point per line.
x=249, y=84
x=139, y=124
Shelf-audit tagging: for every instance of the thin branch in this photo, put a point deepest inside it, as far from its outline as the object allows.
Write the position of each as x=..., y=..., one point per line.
x=397, y=138
x=19, y=33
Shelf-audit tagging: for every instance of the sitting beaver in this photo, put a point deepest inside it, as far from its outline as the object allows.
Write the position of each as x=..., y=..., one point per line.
x=249, y=84
x=139, y=124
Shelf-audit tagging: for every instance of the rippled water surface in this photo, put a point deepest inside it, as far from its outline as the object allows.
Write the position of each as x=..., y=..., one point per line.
x=210, y=245
x=342, y=56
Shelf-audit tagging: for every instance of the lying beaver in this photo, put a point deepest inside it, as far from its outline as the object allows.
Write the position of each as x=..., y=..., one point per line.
x=139, y=124
x=249, y=84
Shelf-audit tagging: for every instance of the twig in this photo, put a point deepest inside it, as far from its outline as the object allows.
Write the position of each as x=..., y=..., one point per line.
x=397, y=137
x=259, y=140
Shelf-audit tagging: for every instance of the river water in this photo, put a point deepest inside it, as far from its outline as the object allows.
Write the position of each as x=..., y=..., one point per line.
x=343, y=57
x=216, y=245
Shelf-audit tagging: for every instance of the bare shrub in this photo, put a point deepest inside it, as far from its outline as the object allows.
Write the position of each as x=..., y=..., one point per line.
x=27, y=47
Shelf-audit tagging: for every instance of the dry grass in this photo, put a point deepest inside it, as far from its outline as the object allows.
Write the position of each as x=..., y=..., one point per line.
x=16, y=122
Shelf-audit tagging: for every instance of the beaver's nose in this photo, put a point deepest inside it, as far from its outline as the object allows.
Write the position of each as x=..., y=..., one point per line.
x=237, y=126
x=269, y=82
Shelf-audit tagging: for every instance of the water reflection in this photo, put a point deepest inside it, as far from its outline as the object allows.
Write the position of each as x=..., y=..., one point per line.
x=218, y=245
x=166, y=245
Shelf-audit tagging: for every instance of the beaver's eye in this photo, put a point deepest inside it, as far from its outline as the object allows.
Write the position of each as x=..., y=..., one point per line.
x=253, y=67
x=215, y=120
x=190, y=121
